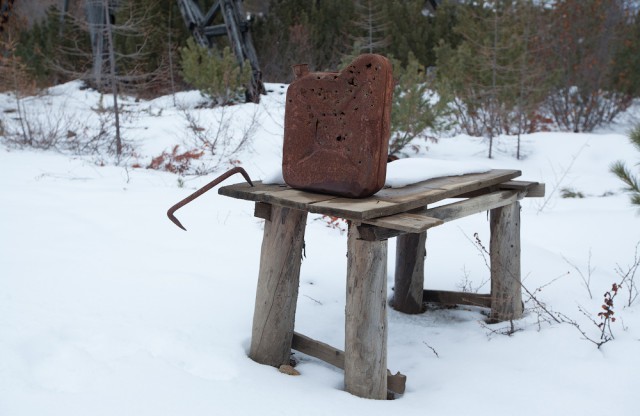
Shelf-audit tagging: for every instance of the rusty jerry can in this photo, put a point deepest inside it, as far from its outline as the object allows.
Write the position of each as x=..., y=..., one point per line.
x=336, y=128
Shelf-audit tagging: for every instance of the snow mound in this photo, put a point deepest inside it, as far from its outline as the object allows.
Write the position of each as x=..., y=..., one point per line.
x=405, y=172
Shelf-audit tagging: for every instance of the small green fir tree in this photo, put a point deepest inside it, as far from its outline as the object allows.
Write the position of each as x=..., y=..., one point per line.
x=414, y=107
x=219, y=78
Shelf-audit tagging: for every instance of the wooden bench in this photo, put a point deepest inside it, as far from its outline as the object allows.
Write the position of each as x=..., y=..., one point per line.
x=392, y=212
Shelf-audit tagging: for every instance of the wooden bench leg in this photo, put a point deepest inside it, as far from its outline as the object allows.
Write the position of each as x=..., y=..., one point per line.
x=506, y=294
x=278, y=281
x=365, y=372
x=409, y=274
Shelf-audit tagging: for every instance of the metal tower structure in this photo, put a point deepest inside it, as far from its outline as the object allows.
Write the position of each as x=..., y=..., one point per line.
x=235, y=27
x=5, y=12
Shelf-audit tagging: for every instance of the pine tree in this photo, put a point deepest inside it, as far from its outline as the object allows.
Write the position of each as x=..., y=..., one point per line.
x=372, y=26
x=631, y=182
x=331, y=21
x=412, y=109
x=163, y=33
x=14, y=78
x=282, y=39
x=626, y=77
x=311, y=32
x=493, y=79
x=219, y=78
x=54, y=49
x=406, y=30
x=584, y=38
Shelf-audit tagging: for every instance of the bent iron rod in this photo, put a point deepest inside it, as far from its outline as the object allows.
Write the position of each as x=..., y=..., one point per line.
x=204, y=189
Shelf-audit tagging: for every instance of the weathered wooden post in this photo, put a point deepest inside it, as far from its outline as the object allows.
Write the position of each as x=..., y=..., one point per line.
x=278, y=280
x=365, y=372
x=506, y=294
x=409, y=274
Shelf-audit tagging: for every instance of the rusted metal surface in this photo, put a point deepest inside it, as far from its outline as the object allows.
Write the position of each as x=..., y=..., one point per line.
x=337, y=126
x=216, y=181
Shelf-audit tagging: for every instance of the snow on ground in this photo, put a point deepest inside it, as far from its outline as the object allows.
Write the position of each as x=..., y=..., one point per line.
x=107, y=308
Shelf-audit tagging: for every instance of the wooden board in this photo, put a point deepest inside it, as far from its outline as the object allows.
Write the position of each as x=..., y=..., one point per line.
x=472, y=206
x=319, y=350
x=280, y=195
x=421, y=220
x=396, y=200
x=365, y=352
x=277, y=291
x=409, y=275
x=386, y=202
x=530, y=189
x=407, y=222
x=504, y=249
x=325, y=352
x=457, y=298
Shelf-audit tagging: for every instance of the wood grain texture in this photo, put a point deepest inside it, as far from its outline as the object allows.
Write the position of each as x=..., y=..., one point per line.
x=319, y=350
x=457, y=298
x=354, y=209
x=365, y=373
x=532, y=189
x=406, y=221
x=421, y=220
x=472, y=206
x=529, y=189
x=409, y=273
x=369, y=232
x=277, y=292
x=504, y=248
x=384, y=203
x=262, y=210
x=334, y=356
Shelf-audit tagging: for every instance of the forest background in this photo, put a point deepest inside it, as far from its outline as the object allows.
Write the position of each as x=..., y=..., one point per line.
x=482, y=68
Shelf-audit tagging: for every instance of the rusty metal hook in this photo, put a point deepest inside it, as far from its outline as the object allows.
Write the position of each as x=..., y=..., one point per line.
x=204, y=189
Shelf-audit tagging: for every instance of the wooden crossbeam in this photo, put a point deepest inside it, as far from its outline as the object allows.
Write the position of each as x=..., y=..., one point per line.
x=530, y=189
x=472, y=206
x=420, y=220
x=325, y=352
x=457, y=298
x=406, y=222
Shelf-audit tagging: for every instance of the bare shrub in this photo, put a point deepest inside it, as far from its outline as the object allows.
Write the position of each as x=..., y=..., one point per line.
x=581, y=110
x=583, y=39
x=603, y=319
x=628, y=276
x=586, y=276
x=220, y=139
x=42, y=128
x=174, y=161
x=48, y=127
